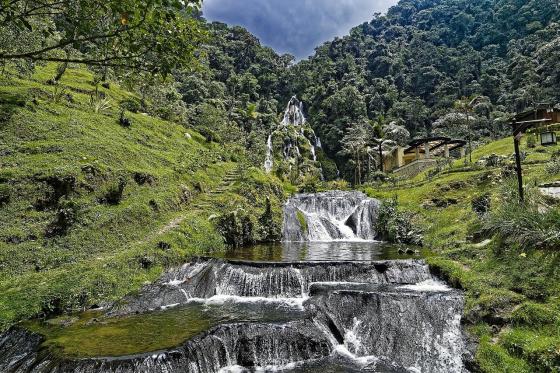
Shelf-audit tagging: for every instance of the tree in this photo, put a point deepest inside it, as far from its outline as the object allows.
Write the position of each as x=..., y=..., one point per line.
x=154, y=36
x=354, y=145
x=465, y=107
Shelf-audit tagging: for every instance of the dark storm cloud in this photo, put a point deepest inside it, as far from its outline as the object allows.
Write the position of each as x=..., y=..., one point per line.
x=295, y=26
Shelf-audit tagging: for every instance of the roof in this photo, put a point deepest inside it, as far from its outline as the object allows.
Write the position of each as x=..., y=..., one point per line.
x=549, y=108
x=435, y=143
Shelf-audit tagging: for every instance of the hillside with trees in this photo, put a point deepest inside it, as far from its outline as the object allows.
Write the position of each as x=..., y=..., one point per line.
x=136, y=136
x=422, y=61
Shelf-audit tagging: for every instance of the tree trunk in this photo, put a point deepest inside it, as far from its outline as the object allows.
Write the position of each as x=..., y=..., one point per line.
x=381, y=156
x=60, y=70
x=359, y=170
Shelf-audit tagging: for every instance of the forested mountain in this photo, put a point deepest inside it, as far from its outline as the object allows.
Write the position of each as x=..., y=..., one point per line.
x=413, y=64
x=236, y=93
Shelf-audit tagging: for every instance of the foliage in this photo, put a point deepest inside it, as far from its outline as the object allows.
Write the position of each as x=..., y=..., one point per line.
x=394, y=225
x=302, y=221
x=91, y=210
x=236, y=227
x=524, y=226
x=155, y=36
x=457, y=68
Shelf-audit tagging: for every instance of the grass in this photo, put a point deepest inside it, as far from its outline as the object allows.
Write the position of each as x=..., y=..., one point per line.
x=511, y=283
x=63, y=242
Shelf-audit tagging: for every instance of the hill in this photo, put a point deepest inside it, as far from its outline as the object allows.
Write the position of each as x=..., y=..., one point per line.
x=415, y=63
x=485, y=242
x=92, y=208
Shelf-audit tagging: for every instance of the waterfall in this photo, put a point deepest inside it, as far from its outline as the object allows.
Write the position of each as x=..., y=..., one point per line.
x=313, y=154
x=293, y=115
x=269, y=161
x=336, y=215
x=292, y=316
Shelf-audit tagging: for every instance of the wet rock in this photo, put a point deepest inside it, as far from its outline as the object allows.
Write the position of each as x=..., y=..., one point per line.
x=205, y=278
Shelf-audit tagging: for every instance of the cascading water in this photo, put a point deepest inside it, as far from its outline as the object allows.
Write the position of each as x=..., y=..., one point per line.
x=293, y=115
x=294, y=132
x=344, y=216
x=322, y=316
x=269, y=161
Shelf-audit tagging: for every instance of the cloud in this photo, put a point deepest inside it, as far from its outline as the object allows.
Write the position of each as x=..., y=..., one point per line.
x=295, y=26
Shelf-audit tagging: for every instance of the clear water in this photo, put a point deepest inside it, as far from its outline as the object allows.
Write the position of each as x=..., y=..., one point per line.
x=92, y=334
x=322, y=251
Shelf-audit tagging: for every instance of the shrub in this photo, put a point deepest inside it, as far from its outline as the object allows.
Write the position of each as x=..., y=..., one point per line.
x=310, y=184
x=524, y=225
x=131, y=104
x=396, y=226
x=269, y=229
x=236, y=228
x=531, y=141
x=553, y=167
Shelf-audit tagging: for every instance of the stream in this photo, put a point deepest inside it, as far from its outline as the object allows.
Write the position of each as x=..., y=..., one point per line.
x=329, y=299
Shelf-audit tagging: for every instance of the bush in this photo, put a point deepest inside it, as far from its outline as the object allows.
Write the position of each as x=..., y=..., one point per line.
x=310, y=184
x=268, y=227
x=396, y=226
x=532, y=141
x=524, y=226
x=236, y=228
x=553, y=167
x=131, y=104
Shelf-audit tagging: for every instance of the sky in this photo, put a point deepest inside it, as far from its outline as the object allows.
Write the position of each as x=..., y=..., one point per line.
x=295, y=26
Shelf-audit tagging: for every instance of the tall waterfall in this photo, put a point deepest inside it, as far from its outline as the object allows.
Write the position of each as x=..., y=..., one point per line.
x=294, y=113
x=269, y=161
x=330, y=216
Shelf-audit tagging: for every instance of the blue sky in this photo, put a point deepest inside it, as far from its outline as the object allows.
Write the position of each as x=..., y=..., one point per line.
x=295, y=26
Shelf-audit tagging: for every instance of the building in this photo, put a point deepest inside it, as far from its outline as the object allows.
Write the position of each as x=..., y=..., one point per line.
x=543, y=120
x=421, y=154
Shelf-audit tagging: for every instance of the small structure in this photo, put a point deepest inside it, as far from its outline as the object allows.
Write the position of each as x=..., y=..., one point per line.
x=548, y=138
x=421, y=154
x=541, y=118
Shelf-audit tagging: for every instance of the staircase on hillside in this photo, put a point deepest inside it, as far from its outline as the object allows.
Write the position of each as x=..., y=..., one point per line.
x=205, y=200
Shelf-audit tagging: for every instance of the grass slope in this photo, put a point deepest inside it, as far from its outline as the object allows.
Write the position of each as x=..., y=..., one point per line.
x=68, y=238
x=513, y=302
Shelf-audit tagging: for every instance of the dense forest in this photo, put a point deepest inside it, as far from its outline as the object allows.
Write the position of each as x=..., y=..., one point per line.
x=413, y=65
x=425, y=65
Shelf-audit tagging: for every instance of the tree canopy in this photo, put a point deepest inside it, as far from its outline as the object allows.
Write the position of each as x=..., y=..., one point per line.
x=153, y=36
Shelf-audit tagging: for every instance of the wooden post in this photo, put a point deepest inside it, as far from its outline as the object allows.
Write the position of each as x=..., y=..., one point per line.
x=516, y=138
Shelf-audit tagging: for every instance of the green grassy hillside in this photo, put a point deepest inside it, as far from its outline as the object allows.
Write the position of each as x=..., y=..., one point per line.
x=90, y=209
x=512, y=288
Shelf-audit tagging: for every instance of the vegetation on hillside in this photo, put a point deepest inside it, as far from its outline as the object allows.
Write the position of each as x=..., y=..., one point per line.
x=91, y=207
x=502, y=252
x=431, y=66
